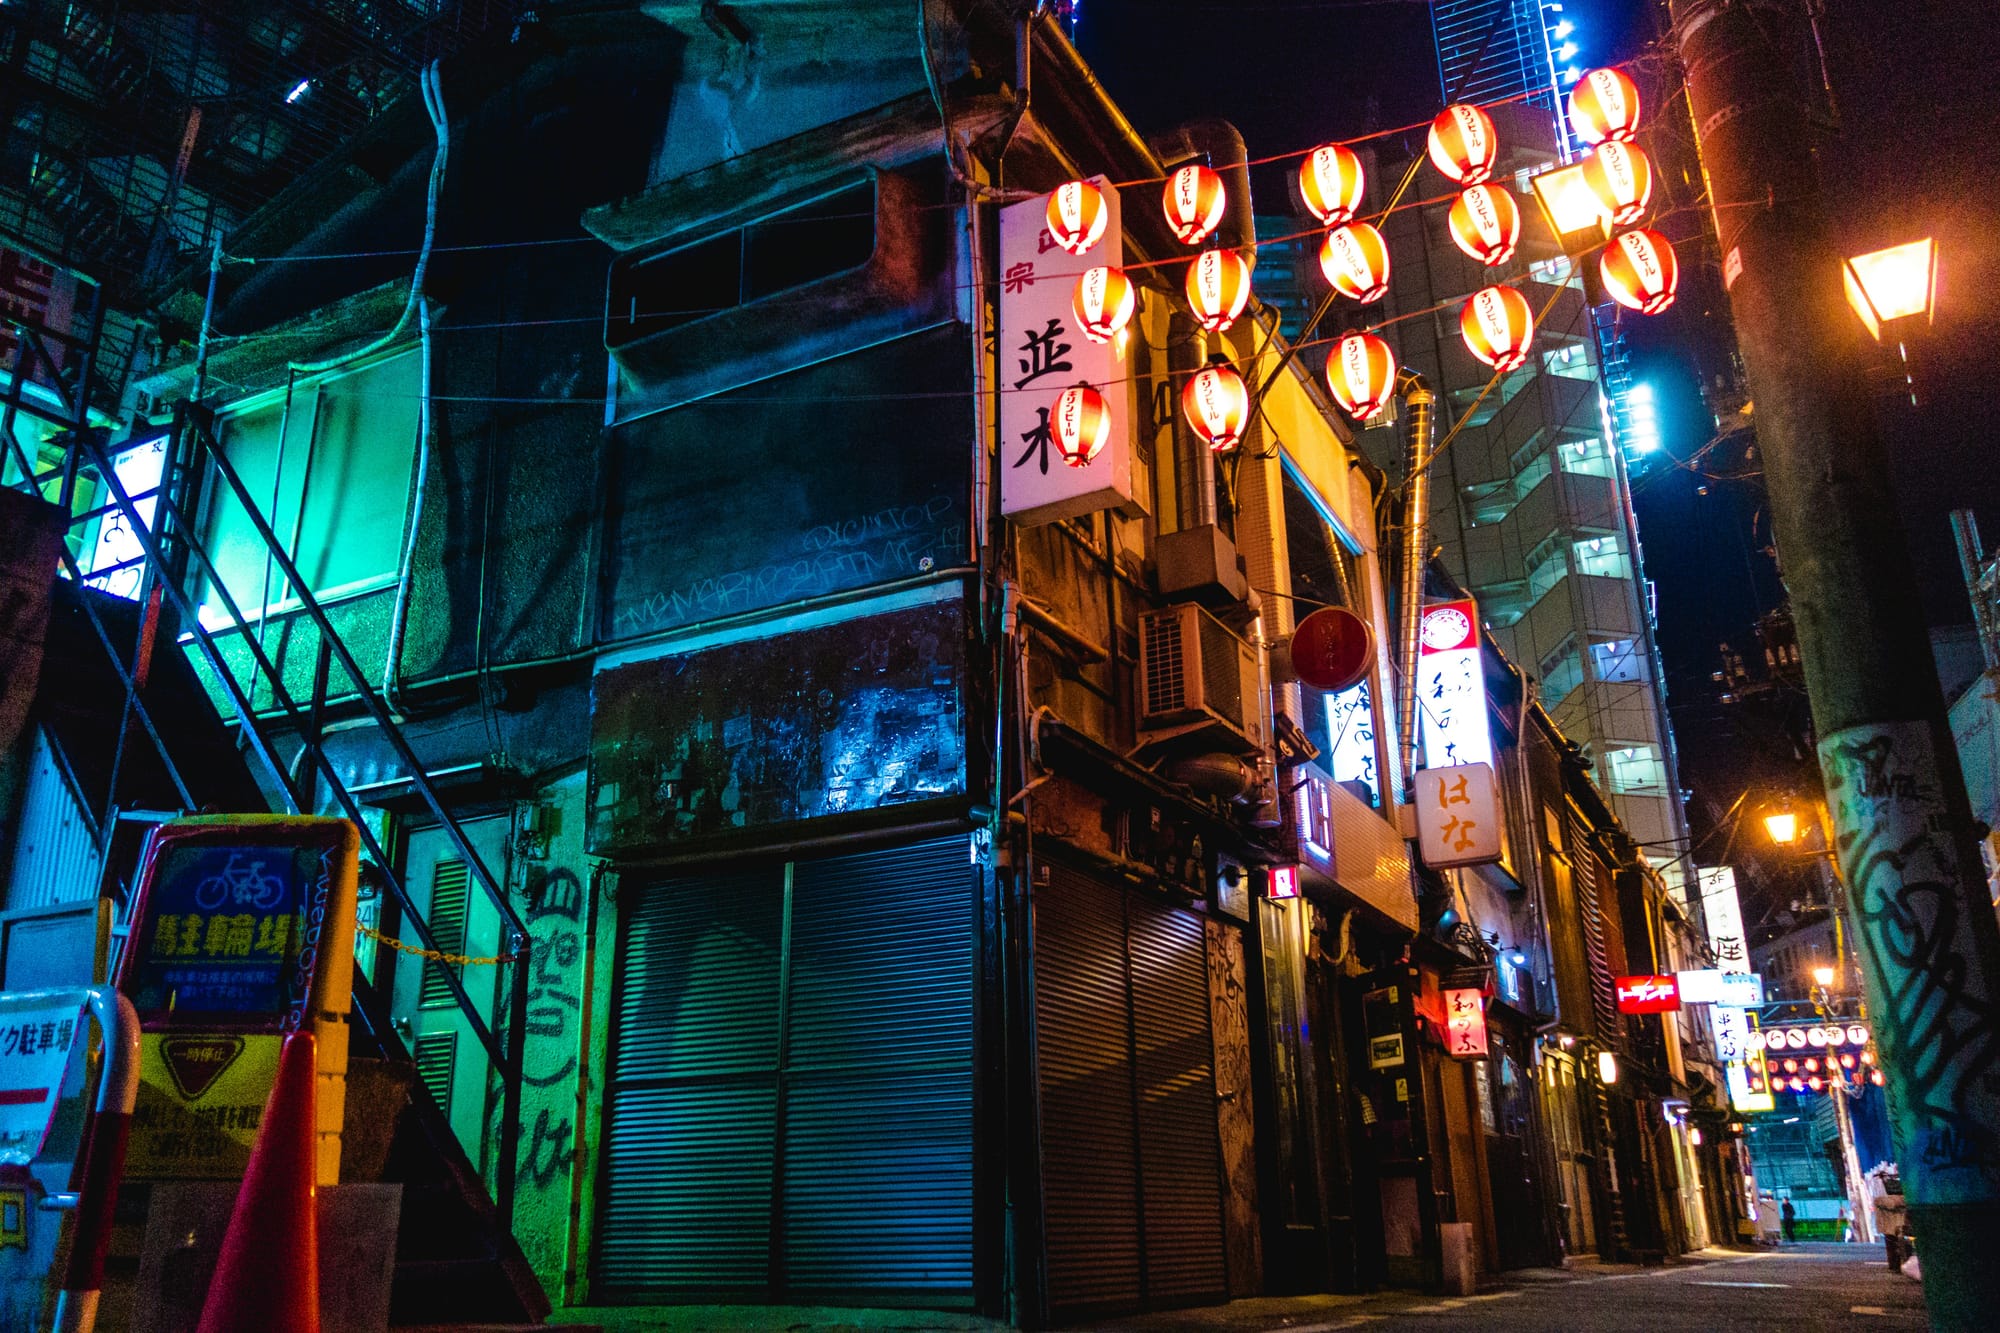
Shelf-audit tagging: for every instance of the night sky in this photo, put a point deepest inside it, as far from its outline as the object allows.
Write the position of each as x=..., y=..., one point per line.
x=1915, y=84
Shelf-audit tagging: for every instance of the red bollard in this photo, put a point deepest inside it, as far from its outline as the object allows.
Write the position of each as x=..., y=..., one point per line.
x=267, y=1279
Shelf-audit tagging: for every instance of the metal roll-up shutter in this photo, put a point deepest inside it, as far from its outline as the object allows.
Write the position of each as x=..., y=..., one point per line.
x=1180, y=1157
x=1083, y=1049
x=690, y=1113
x=877, y=1119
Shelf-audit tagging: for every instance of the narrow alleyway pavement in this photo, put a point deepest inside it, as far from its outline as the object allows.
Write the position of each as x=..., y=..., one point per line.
x=1798, y=1289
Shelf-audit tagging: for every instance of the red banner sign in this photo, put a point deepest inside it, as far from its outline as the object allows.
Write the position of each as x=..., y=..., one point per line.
x=1465, y=1024
x=1648, y=995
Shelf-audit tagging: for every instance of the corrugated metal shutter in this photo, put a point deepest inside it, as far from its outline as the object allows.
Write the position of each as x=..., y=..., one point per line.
x=1179, y=1154
x=1083, y=1048
x=877, y=1157
x=55, y=855
x=692, y=1103
x=1132, y=1185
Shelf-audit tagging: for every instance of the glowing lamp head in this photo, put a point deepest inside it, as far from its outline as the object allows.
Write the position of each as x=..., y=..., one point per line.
x=1355, y=259
x=1640, y=271
x=1897, y=283
x=1498, y=327
x=1361, y=373
x=1077, y=215
x=1621, y=176
x=1463, y=144
x=1823, y=976
x=1217, y=404
x=1572, y=210
x=1485, y=223
x=1081, y=423
x=1607, y=1068
x=1218, y=287
x=1783, y=827
x=1103, y=302
x=1331, y=183
x=1604, y=105
x=1194, y=201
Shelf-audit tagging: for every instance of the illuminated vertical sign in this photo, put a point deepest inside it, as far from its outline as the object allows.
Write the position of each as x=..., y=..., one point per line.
x=1451, y=687
x=1284, y=882
x=1043, y=350
x=1723, y=914
x=1350, y=727
x=1465, y=1024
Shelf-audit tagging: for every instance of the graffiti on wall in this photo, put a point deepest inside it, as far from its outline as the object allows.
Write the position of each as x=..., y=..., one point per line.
x=1229, y=1024
x=1926, y=963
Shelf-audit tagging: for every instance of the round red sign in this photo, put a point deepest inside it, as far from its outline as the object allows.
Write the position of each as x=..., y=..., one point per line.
x=1331, y=649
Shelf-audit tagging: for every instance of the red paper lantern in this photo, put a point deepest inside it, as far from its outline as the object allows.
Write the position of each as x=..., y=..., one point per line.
x=1875, y=1077
x=1486, y=224
x=1103, y=302
x=1331, y=182
x=1217, y=403
x=1463, y=144
x=1621, y=176
x=1604, y=105
x=1498, y=326
x=1080, y=423
x=1640, y=271
x=1194, y=200
x=1361, y=372
x=1218, y=287
x=1077, y=215
x=1355, y=260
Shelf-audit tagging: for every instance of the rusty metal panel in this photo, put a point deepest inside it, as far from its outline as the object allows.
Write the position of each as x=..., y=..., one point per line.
x=1369, y=857
x=838, y=718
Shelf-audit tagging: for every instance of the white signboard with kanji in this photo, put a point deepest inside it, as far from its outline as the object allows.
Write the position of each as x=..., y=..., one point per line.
x=1043, y=351
x=1451, y=686
x=1458, y=815
x=37, y=1029
x=1350, y=723
x=1732, y=1032
x=1723, y=914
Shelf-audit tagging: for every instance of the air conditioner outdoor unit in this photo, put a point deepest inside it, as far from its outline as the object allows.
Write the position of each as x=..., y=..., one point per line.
x=1196, y=676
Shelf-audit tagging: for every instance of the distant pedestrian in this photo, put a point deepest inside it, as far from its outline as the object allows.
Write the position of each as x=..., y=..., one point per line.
x=1791, y=1216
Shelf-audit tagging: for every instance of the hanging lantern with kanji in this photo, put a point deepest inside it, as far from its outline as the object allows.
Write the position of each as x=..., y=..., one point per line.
x=1077, y=215
x=1361, y=372
x=1080, y=423
x=1463, y=144
x=1485, y=223
x=1498, y=326
x=1194, y=201
x=1355, y=260
x=1218, y=287
x=1331, y=182
x=1604, y=105
x=1640, y=271
x=1217, y=404
x=1621, y=176
x=1103, y=302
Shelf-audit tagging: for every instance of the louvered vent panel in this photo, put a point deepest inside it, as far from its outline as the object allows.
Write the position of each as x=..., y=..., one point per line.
x=1166, y=670
x=434, y=1058
x=450, y=883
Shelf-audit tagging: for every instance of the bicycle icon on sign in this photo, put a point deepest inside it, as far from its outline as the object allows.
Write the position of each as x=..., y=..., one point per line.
x=239, y=885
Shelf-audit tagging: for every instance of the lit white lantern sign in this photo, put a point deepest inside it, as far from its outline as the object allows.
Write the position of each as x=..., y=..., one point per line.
x=1451, y=687
x=1043, y=351
x=1458, y=815
x=1350, y=724
x=1724, y=916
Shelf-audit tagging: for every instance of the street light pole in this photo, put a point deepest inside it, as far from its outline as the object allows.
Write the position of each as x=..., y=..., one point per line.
x=1924, y=927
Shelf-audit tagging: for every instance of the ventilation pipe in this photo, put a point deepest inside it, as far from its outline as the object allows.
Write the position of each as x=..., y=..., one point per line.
x=1422, y=414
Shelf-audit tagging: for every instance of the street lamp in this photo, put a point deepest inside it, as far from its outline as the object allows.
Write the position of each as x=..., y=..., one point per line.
x=1783, y=828
x=1574, y=212
x=1897, y=283
x=1607, y=1068
x=1823, y=977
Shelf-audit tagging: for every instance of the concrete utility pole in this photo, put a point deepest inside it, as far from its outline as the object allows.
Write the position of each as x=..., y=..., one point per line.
x=1924, y=928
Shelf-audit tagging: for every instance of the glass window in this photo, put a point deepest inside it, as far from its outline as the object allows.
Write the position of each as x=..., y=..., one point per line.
x=1488, y=502
x=1636, y=769
x=1586, y=458
x=112, y=556
x=1603, y=556
x=1531, y=476
x=1572, y=359
x=1547, y=564
x=1555, y=272
x=335, y=491
x=1562, y=671
x=1618, y=660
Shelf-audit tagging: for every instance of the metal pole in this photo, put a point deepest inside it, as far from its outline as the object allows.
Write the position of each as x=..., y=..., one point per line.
x=1924, y=927
x=103, y=1161
x=1422, y=404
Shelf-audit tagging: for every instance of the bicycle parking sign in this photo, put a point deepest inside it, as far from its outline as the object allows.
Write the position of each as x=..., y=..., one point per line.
x=225, y=927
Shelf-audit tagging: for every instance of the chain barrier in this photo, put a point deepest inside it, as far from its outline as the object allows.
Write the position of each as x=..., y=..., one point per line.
x=434, y=955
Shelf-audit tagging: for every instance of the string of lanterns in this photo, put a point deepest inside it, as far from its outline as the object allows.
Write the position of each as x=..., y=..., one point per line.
x=1637, y=267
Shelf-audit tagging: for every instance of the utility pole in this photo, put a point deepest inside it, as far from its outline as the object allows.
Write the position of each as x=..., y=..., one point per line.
x=1923, y=925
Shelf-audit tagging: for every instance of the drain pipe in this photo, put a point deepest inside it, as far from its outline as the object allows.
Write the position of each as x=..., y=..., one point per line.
x=1422, y=406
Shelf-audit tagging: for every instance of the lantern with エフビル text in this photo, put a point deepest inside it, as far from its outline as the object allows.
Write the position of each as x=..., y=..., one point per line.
x=1485, y=223
x=1498, y=327
x=1463, y=143
x=1103, y=302
x=1194, y=201
x=1355, y=259
x=1639, y=271
x=1621, y=176
x=1217, y=404
x=1361, y=372
x=1218, y=287
x=1330, y=182
x=1080, y=423
x=1077, y=216
x=1603, y=106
